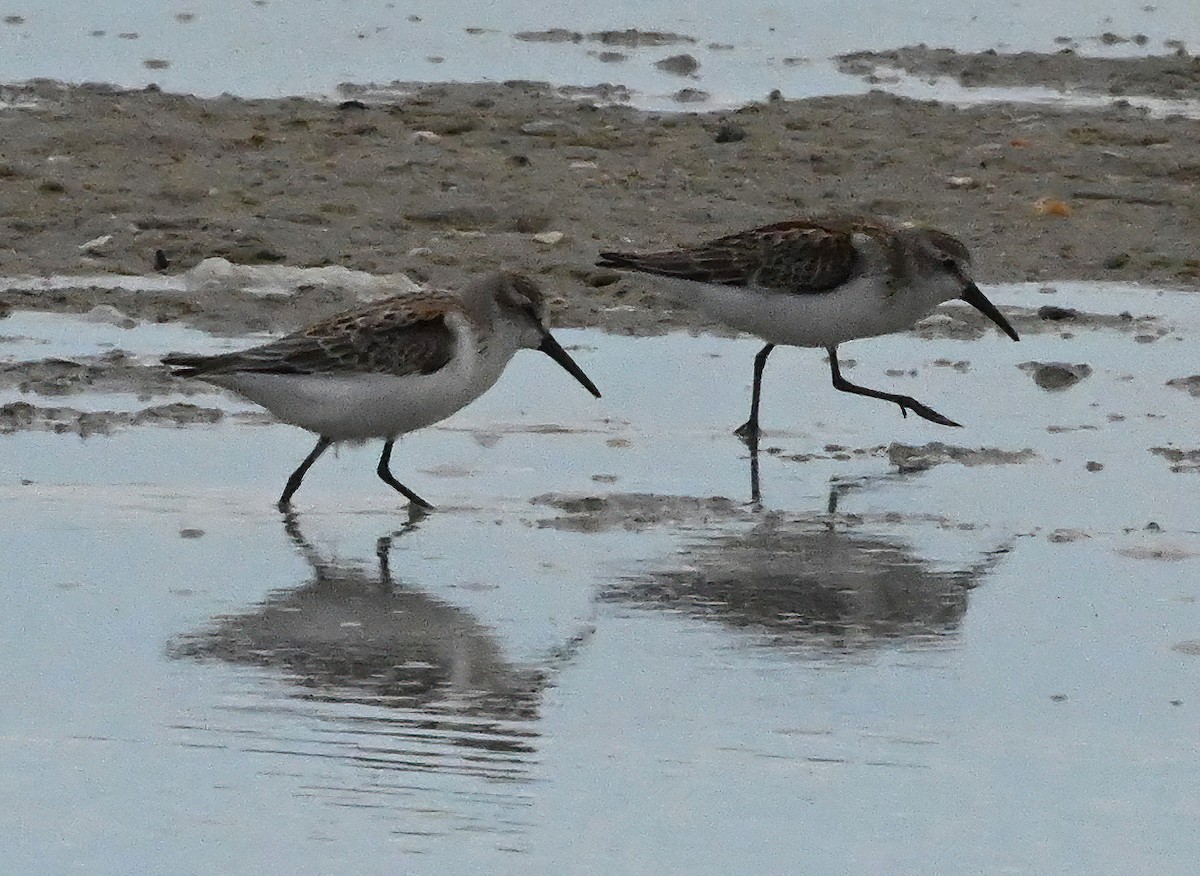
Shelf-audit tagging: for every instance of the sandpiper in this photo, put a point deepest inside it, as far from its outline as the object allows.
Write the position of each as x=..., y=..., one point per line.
x=389, y=367
x=817, y=283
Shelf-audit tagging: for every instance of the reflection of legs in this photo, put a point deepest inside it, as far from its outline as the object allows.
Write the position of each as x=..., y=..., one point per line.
x=297, y=477
x=385, y=475
x=905, y=402
x=324, y=570
x=749, y=429
x=291, y=525
x=383, y=546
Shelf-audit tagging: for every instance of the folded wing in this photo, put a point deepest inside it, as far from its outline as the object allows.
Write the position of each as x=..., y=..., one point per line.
x=799, y=257
x=401, y=339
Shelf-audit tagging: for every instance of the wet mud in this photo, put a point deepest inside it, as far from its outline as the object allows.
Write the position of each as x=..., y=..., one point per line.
x=440, y=181
x=1173, y=75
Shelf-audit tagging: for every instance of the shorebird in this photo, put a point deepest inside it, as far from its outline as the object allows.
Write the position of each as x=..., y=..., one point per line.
x=818, y=283
x=389, y=367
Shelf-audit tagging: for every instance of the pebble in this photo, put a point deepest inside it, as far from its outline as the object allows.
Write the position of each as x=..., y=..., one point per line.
x=1054, y=376
x=549, y=238
x=679, y=65
x=730, y=133
x=96, y=243
x=106, y=313
x=426, y=137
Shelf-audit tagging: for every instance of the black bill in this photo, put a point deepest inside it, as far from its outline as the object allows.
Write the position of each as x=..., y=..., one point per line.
x=976, y=299
x=552, y=349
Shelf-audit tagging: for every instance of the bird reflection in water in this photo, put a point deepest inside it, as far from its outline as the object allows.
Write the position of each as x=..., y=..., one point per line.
x=815, y=580
x=446, y=698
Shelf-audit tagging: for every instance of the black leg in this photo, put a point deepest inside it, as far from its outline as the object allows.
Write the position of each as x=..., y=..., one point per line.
x=749, y=429
x=755, y=492
x=906, y=404
x=385, y=475
x=293, y=483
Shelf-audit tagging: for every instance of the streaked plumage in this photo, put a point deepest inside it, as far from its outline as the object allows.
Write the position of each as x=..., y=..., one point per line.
x=390, y=367
x=818, y=283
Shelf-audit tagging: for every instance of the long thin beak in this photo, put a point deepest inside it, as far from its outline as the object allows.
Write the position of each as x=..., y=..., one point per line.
x=551, y=348
x=976, y=299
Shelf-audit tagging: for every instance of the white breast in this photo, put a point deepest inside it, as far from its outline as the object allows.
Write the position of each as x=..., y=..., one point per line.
x=360, y=405
x=863, y=307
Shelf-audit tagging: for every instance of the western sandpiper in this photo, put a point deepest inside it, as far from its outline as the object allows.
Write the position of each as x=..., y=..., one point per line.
x=389, y=367
x=817, y=283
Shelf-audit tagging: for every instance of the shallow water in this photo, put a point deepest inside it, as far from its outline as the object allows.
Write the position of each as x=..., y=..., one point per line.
x=273, y=48
x=599, y=655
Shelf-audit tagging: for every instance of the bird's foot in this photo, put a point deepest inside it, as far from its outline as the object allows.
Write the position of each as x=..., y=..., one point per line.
x=748, y=431
x=926, y=413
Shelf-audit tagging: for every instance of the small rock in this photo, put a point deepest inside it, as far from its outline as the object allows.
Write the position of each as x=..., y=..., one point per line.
x=161, y=263
x=191, y=533
x=1056, y=314
x=730, y=133
x=690, y=95
x=1116, y=261
x=96, y=243
x=679, y=65
x=1094, y=466
x=962, y=182
x=428, y=137
x=106, y=313
x=1053, y=376
x=549, y=238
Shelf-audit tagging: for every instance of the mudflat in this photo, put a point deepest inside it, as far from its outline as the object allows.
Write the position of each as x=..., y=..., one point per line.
x=441, y=181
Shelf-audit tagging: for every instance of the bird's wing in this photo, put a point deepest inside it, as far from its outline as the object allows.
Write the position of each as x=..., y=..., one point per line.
x=799, y=256
x=399, y=336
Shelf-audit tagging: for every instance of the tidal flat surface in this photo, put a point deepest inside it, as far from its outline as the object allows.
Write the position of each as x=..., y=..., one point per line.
x=268, y=48
x=922, y=649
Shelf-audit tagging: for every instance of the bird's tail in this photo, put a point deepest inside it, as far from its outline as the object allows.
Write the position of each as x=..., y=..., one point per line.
x=617, y=260
x=185, y=366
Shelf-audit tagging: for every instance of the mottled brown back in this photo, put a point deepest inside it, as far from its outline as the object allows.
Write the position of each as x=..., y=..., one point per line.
x=398, y=336
x=801, y=256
